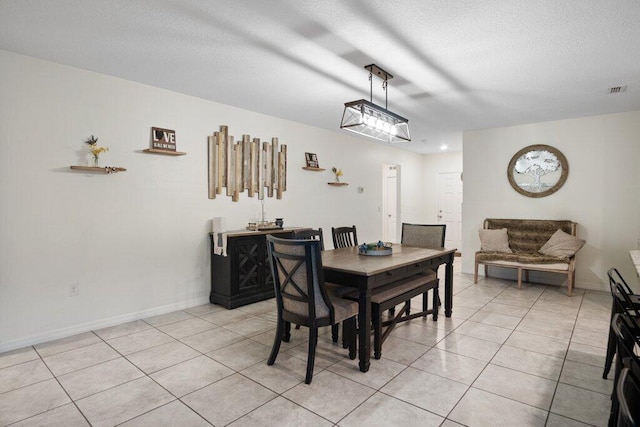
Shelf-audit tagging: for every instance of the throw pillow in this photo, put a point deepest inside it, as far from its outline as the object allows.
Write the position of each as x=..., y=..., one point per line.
x=494, y=240
x=562, y=245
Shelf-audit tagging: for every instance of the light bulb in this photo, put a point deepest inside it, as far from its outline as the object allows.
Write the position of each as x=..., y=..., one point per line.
x=394, y=130
x=385, y=127
x=379, y=124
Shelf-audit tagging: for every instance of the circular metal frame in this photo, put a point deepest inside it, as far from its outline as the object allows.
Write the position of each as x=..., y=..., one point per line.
x=563, y=175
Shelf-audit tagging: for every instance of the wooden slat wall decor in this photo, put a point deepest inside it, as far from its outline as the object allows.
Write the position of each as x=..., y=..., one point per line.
x=213, y=165
x=247, y=165
x=220, y=162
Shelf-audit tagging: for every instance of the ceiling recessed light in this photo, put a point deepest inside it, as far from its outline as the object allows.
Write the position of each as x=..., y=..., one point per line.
x=444, y=147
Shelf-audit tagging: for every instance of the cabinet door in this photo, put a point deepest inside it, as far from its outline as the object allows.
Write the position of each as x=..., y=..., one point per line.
x=247, y=263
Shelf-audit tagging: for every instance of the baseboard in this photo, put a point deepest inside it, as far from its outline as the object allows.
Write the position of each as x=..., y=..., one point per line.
x=99, y=324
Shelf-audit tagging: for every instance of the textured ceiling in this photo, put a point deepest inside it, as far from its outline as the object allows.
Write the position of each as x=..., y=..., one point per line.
x=458, y=65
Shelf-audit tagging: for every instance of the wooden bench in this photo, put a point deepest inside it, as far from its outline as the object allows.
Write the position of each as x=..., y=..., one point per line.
x=526, y=237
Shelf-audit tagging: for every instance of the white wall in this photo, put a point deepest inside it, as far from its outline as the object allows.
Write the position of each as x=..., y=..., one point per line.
x=601, y=194
x=137, y=242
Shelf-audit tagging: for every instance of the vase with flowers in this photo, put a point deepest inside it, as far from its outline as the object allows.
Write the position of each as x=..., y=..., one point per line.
x=95, y=150
x=337, y=172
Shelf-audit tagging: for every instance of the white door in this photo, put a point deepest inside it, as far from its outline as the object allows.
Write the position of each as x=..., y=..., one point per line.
x=450, y=207
x=390, y=203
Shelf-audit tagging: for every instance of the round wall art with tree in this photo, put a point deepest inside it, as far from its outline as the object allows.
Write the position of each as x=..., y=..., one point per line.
x=538, y=170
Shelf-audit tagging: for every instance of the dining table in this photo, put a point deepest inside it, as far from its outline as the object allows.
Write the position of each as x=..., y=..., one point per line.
x=347, y=267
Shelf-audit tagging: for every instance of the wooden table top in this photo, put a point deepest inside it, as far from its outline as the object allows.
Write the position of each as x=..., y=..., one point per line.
x=348, y=260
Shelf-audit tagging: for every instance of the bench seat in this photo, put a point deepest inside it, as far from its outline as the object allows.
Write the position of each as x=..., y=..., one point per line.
x=526, y=237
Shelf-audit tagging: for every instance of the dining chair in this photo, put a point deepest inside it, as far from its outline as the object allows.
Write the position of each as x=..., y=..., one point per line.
x=303, y=297
x=344, y=237
x=429, y=236
x=310, y=234
x=623, y=301
x=628, y=395
x=627, y=333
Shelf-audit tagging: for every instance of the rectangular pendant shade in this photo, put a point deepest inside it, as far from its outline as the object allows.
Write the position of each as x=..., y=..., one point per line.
x=368, y=119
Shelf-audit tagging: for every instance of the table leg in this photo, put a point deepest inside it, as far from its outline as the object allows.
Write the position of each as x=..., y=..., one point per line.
x=364, y=325
x=448, y=287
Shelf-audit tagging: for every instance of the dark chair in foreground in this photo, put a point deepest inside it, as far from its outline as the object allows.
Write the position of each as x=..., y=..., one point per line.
x=303, y=297
x=623, y=301
x=388, y=296
x=627, y=333
x=628, y=394
x=311, y=234
x=344, y=237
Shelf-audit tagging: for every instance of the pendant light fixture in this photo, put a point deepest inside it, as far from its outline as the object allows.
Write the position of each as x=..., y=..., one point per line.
x=368, y=119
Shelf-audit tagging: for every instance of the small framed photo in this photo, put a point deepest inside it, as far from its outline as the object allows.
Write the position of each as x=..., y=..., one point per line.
x=312, y=160
x=163, y=139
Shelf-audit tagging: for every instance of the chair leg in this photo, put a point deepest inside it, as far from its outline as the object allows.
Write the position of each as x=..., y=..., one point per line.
x=425, y=303
x=349, y=331
x=276, y=342
x=286, y=334
x=376, y=319
x=311, y=357
x=345, y=335
x=436, y=303
x=334, y=332
x=611, y=351
x=611, y=346
x=297, y=326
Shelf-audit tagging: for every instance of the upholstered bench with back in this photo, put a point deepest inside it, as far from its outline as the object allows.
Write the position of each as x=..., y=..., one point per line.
x=526, y=244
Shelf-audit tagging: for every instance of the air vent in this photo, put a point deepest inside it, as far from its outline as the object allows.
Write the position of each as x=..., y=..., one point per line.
x=618, y=89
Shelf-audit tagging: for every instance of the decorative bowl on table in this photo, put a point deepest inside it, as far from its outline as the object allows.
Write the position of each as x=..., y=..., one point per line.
x=375, y=249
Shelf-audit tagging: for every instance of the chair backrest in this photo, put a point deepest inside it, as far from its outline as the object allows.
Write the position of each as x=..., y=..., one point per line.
x=430, y=236
x=529, y=235
x=625, y=331
x=628, y=394
x=616, y=277
x=344, y=237
x=621, y=293
x=626, y=304
x=296, y=266
x=311, y=235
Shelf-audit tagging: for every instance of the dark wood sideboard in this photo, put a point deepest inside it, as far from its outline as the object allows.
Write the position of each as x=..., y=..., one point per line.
x=244, y=275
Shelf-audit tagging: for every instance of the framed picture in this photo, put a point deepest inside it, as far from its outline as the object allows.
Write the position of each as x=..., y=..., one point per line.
x=312, y=160
x=163, y=139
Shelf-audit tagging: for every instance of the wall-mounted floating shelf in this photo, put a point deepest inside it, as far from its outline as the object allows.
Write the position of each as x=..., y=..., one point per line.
x=337, y=184
x=307, y=168
x=165, y=152
x=106, y=169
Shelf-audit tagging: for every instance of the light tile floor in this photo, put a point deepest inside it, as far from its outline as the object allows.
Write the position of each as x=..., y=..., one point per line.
x=507, y=357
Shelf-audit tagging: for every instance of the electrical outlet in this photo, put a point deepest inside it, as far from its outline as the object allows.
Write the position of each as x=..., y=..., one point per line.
x=74, y=290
